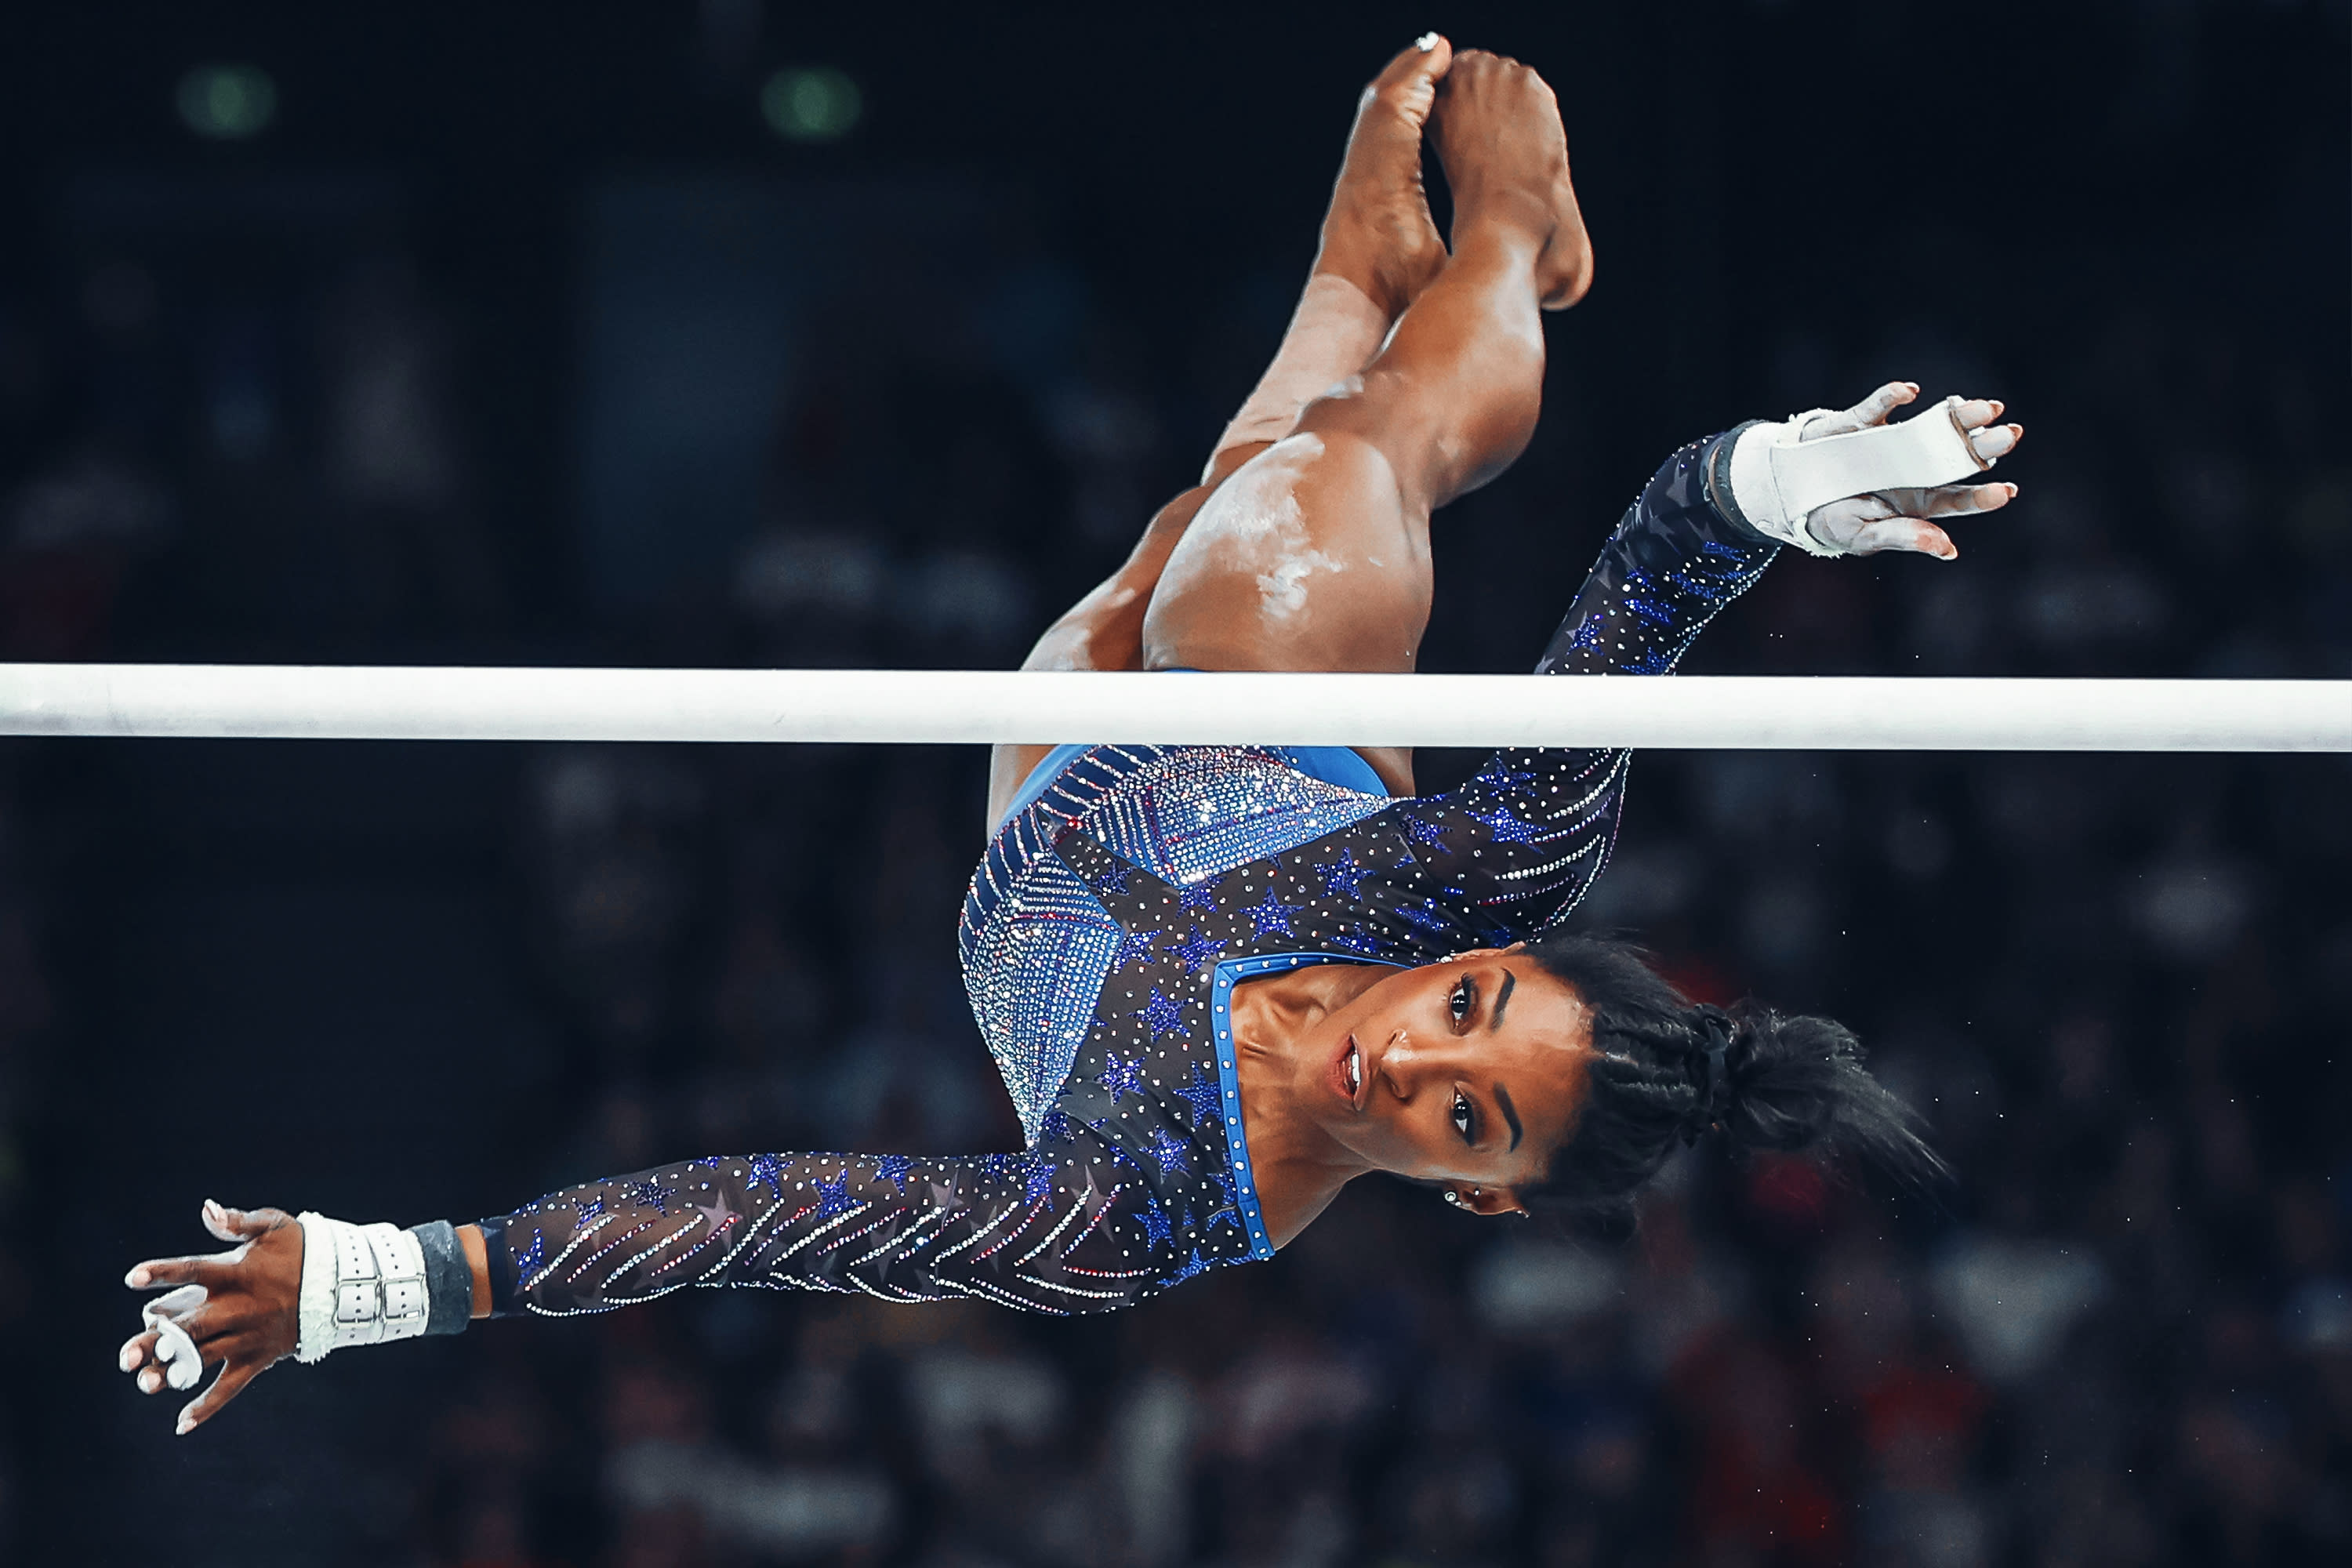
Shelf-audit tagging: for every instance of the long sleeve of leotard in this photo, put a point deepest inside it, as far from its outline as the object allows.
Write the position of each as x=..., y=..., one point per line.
x=1067, y=1226
x=1516, y=846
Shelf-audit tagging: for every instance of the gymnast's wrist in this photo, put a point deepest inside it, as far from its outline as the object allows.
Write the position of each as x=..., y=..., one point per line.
x=1715, y=469
x=476, y=1252
x=369, y=1284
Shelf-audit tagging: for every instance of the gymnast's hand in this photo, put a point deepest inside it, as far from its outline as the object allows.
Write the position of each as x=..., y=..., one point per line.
x=236, y=1308
x=1905, y=518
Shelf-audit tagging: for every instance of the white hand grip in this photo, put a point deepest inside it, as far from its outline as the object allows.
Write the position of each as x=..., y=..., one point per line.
x=1779, y=481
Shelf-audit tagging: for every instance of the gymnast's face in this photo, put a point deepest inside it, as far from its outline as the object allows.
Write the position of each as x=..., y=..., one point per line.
x=1468, y=1072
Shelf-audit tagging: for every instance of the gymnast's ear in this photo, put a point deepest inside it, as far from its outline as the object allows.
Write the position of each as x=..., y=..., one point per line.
x=1490, y=1201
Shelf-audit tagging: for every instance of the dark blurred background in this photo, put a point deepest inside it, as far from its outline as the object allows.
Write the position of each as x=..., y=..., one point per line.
x=725, y=332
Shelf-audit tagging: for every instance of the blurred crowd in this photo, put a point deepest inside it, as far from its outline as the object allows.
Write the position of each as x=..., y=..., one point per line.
x=2112, y=986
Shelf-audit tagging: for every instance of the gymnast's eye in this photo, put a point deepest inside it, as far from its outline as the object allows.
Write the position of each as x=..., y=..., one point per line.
x=1460, y=1002
x=1466, y=1119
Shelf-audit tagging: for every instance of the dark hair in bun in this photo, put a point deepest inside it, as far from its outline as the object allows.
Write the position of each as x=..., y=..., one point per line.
x=1664, y=1072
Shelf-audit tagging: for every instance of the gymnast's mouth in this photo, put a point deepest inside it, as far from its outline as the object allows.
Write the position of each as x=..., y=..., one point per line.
x=1348, y=1074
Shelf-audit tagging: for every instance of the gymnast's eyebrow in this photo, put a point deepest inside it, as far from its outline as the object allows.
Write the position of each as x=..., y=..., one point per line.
x=1502, y=1000
x=1503, y=1098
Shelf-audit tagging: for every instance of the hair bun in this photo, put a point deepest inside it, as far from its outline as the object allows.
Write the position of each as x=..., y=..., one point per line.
x=1662, y=1071
x=1709, y=1066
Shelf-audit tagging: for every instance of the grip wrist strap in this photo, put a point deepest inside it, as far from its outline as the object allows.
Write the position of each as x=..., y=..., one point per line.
x=361, y=1284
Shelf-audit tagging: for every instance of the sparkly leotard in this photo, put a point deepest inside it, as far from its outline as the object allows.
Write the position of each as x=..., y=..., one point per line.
x=1102, y=937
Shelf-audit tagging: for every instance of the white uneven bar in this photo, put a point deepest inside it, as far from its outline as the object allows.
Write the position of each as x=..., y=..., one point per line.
x=1724, y=712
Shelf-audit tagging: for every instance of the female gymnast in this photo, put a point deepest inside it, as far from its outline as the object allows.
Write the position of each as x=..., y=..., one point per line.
x=1220, y=983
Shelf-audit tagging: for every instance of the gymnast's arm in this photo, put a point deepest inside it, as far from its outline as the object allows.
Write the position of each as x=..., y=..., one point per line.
x=1066, y=1227
x=1046, y=1229
x=1518, y=843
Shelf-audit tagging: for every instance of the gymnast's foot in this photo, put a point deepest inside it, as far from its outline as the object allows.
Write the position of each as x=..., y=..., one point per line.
x=1379, y=235
x=1565, y=272
x=1498, y=135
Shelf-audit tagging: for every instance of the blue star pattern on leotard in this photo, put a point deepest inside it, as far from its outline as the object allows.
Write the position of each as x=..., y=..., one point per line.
x=1271, y=916
x=1037, y=1175
x=1193, y=1267
x=1162, y=1015
x=1506, y=828
x=833, y=1197
x=531, y=1259
x=1120, y=1078
x=1195, y=953
x=1425, y=914
x=1173, y=1152
x=1104, y=925
x=1342, y=877
x=1202, y=1093
x=768, y=1170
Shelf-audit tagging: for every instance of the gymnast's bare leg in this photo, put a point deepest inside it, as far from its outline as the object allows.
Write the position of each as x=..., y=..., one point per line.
x=1312, y=553
x=1379, y=250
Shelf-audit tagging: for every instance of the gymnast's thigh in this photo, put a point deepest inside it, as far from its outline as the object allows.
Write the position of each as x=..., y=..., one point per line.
x=1308, y=558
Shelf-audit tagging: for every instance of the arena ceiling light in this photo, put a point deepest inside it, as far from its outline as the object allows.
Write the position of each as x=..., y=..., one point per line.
x=805, y=104
x=228, y=102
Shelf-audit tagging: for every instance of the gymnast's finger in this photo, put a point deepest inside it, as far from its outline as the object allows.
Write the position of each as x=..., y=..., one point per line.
x=213, y=1318
x=1906, y=533
x=212, y=1272
x=226, y=1386
x=136, y=1351
x=1873, y=409
x=1950, y=500
x=1996, y=440
x=172, y=1362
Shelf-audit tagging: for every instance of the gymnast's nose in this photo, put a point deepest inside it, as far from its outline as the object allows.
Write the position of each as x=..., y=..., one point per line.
x=1405, y=1066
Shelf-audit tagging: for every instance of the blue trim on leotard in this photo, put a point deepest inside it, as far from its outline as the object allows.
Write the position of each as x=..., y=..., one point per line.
x=1229, y=973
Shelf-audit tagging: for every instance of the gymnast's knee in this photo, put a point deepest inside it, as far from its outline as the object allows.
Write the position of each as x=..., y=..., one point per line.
x=1439, y=434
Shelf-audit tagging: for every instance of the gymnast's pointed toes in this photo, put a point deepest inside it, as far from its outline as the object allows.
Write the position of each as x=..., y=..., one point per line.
x=1407, y=86
x=1412, y=75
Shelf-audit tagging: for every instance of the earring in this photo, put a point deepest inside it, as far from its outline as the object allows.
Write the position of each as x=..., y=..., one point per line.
x=1453, y=1197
